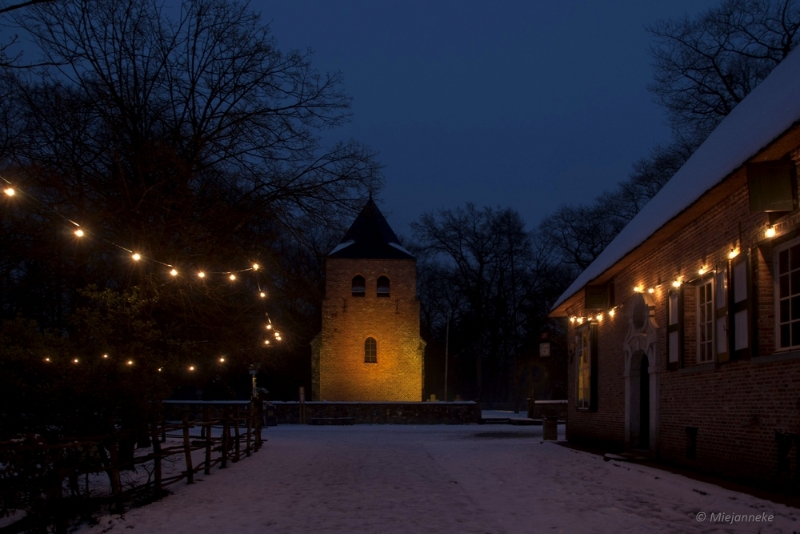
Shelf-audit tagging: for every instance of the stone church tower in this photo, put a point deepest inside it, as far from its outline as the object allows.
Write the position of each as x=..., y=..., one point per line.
x=369, y=348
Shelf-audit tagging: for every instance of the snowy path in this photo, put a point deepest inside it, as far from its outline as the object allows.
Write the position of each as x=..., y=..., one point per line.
x=432, y=479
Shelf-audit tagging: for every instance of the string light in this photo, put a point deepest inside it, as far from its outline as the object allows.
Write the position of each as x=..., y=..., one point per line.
x=733, y=253
x=612, y=312
x=222, y=359
x=105, y=356
x=580, y=320
x=266, y=342
x=79, y=232
x=136, y=256
x=702, y=270
x=770, y=231
x=75, y=360
x=676, y=283
x=159, y=369
x=572, y=319
x=174, y=272
x=201, y=274
x=9, y=191
x=651, y=290
x=638, y=289
x=256, y=266
x=269, y=326
x=191, y=367
x=232, y=277
x=262, y=295
x=599, y=317
x=130, y=362
x=47, y=360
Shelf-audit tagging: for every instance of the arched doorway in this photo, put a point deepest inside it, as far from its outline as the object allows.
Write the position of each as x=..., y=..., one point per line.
x=641, y=375
x=644, y=403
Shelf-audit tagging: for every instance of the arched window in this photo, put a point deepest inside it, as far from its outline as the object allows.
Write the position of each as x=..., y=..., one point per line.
x=370, y=350
x=359, y=286
x=383, y=286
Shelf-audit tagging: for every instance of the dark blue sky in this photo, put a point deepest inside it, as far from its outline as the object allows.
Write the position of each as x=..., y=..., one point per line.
x=527, y=104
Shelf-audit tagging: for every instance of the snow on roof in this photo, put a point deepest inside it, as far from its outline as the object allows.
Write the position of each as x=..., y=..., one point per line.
x=342, y=245
x=767, y=112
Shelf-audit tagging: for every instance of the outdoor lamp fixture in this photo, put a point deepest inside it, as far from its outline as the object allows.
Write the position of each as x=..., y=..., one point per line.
x=253, y=371
x=770, y=231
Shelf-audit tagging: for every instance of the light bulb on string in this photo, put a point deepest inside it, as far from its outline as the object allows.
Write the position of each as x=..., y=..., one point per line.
x=129, y=362
x=136, y=256
x=232, y=277
x=702, y=270
x=79, y=232
x=733, y=253
x=222, y=359
x=75, y=360
x=191, y=367
x=651, y=290
x=611, y=312
x=266, y=342
x=159, y=369
x=9, y=191
x=599, y=317
x=105, y=356
x=262, y=295
x=201, y=274
x=256, y=266
x=174, y=272
x=47, y=359
x=269, y=326
x=676, y=283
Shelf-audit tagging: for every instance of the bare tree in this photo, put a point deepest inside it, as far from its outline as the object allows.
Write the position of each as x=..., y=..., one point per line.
x=705, y=66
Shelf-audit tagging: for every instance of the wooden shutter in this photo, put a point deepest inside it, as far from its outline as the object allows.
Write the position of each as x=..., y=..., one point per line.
x=593, y=367
x=721, y=316
x=741, y=338
x=675, y=329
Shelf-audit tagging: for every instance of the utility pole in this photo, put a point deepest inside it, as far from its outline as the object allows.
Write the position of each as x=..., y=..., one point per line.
x=446, y=350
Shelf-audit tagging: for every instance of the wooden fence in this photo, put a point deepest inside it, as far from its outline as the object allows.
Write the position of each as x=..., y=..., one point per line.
x=33, y=471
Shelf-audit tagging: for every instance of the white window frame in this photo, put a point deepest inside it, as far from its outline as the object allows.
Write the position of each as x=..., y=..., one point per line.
x=710, y=323
x=788, y=299
x=583, y=367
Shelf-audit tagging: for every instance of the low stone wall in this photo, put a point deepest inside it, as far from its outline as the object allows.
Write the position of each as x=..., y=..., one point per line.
x=548, y=408
x=393, y=413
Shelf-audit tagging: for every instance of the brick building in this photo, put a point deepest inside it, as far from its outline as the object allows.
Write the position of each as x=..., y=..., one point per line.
x=369, y=348
x=684, y=334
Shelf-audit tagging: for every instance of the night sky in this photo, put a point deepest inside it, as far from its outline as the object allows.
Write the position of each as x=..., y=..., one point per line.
x=527, y=104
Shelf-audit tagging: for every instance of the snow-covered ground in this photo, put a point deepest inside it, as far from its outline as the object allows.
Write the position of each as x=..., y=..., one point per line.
x=440, y=478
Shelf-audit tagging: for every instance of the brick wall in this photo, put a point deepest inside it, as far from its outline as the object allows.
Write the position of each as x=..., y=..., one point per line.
x=339, y=370
x=737, y=406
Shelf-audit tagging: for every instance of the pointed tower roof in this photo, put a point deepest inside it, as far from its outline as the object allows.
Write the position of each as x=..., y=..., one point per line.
x=370, y=237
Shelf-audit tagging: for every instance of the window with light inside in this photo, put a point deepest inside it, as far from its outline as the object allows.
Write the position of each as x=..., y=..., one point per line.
x=787, y=299
x=705, y=320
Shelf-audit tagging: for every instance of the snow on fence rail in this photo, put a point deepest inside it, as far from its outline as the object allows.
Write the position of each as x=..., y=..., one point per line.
x=33, y=471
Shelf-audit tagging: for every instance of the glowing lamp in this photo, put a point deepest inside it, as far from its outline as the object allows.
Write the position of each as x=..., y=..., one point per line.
x=651, y=290
x=269, y=327
x=129, y=362
x=191, y=367
x=159, y=369
x=266, y=342
x=173, y=272
x=47, y=359
x=262, y=295
x=9, y=191
x=580, y=320
x=572, y=319
x=256, y=266
x=79, y=232
x=136, y=256
x=638, y=289
x=611, y=313
x=222, y=359
x=770, y=231
x=75, y=360
x=599, y=317
x=105, y=356
x=232, y=277
x=702, y=270
x=733, y=253
x=201, y=274
x=676, y=283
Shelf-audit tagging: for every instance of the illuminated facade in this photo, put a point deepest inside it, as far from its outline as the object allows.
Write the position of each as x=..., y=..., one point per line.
x=369, y=348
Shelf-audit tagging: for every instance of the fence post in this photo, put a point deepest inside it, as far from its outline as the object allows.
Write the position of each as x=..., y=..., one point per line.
x=249, y=426
x=236, y=439
x=226, y=428
x=187, y=450
x=207, y=428
x=156, y=458
x=259, y=415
